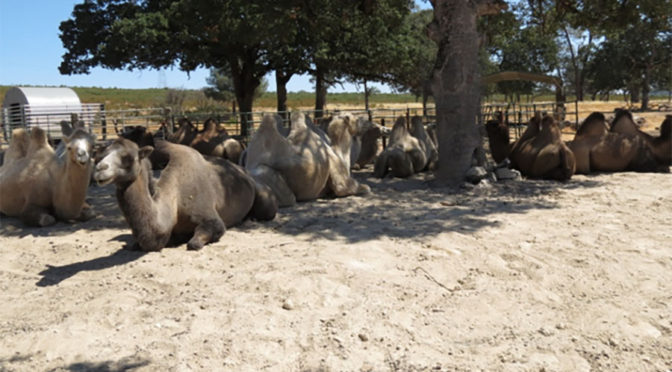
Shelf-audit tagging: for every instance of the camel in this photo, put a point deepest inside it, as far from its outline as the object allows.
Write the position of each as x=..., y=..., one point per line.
x=39, y=187
x=406, y=154
x=597, y=149
x=195, y=196
x=302, y=166
x=142, y=137
x=498, y=137
x=365, y=143
x=538, y=153
x=215, y=141
x=661, y=146
x=185, y=133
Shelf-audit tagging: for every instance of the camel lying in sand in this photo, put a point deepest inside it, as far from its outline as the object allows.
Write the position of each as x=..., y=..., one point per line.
x=538, y=153
x=214, y=140
x=142, y=137
x=596, y=149
x=365, y=143
x=194, y=196
x=302, y=166
x=661, y=146
x=39, y=187
x=408, y=151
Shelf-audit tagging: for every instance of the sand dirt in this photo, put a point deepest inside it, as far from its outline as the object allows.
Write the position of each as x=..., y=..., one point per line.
x=517, y=276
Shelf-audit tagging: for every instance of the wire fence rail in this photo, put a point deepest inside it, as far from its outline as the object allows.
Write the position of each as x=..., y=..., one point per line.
x=105, y=124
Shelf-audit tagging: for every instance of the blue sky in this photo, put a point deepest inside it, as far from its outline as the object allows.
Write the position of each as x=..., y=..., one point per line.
x=31, y=51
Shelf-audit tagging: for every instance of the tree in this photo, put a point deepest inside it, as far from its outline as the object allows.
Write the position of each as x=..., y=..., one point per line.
x=160, y=33
x=413, y=71
x=221, y=85
x=456, y=83
x=353, y=39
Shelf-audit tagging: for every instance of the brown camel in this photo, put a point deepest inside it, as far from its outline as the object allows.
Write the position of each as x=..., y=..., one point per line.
x=596, y=149
x=405, y=153
x=661, y=146
x=39, y=187
x=215, y=141
x=538, y=153
x=185, y=133
x=194, y=196
x=142, y=137
x=498, y=137
x=302, y=166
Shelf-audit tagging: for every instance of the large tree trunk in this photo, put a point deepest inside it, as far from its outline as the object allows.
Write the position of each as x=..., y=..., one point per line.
x=320, y=93
x=645, y=89
x=456, y=84
x=281, y=80
x=366, y=96
x=244, y=84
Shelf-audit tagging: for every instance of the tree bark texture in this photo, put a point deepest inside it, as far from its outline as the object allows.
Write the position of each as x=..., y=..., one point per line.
x=320, y=93
x=456, y=86
x=244, y=84
x=281, y=80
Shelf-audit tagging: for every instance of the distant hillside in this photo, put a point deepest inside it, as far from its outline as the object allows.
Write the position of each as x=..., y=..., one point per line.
x=192, y=100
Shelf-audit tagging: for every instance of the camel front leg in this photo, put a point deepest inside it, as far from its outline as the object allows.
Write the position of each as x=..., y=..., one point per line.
x=33, y=215
x=208, y=231
x=87, y=213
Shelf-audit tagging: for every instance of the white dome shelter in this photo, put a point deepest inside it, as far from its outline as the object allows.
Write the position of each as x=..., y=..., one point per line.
x=39, y=106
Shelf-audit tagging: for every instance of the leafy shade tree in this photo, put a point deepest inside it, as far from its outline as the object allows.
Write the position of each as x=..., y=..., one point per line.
x=414, y=68
x=221, y=86
x=456, y=83
x=351, y=39
x=159, y=33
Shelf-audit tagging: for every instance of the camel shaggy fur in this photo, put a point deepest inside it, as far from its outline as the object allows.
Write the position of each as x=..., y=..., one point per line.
x=39, y=187
x=196, y=197
x=302, y=166
x=596, y=149
x=408, y=152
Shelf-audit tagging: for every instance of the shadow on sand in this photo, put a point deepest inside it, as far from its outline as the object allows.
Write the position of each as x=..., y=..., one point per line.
x=56, y=274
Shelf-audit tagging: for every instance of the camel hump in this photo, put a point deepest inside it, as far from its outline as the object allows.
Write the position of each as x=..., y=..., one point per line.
x=38, y=139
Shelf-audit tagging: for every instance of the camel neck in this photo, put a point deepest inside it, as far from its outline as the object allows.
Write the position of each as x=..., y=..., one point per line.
x=140, y=209
x=70, y=188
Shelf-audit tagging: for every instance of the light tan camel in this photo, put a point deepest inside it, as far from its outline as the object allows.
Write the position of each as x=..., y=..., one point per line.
x=302, y=166
x=39, y=187
x=405, y=153
x=661, y=146
x=598, y=150
x=538, y=153
x=194, y=197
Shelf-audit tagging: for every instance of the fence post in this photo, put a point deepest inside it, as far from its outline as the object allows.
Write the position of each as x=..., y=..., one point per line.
x=103, y=122
x=382, y=123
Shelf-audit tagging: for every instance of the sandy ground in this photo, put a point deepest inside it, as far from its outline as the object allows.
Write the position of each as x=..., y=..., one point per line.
x=516, y=276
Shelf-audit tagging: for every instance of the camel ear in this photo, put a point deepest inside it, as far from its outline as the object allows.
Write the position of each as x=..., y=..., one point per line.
x=145, y=151
x=66, y=129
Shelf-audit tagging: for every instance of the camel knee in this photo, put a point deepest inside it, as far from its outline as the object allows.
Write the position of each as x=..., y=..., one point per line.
x=208, y=231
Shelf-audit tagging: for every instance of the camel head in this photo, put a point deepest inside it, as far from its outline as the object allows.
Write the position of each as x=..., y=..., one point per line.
x=120, y=162
x=79, y=147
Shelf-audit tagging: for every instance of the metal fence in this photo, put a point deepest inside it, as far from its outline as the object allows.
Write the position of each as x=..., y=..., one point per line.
x=107, y=123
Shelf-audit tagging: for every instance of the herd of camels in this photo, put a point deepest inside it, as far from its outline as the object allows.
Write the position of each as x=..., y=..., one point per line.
x=209, y=181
